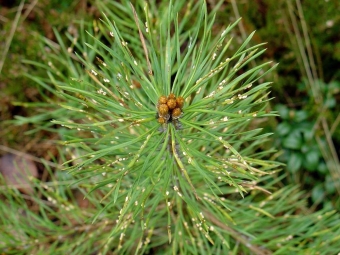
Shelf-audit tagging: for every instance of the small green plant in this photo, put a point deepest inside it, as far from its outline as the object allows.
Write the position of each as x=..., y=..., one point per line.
x=196, y=180
x=157, y=162
x=298, y=136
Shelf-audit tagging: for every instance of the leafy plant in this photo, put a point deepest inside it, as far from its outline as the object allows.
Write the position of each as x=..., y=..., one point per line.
x=197, y=180
x=297, y=136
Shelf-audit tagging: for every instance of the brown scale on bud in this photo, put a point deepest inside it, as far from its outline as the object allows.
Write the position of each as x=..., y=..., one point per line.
x=163, y=110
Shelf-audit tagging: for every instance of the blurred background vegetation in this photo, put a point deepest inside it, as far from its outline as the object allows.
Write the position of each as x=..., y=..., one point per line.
x=303, y=36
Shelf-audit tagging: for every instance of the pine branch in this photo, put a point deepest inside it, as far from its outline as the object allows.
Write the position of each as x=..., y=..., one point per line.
x=169, y=161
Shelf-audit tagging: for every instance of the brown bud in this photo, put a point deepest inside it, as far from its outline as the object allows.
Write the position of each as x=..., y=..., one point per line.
x=172, y=96
x=163, y=109
x=176, y=113
x=162, y=100
x=171, y=103
x=161, y=120
x=180, y=102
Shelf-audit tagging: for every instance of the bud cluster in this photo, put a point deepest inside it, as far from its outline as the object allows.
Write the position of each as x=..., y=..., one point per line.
x=169, y=108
